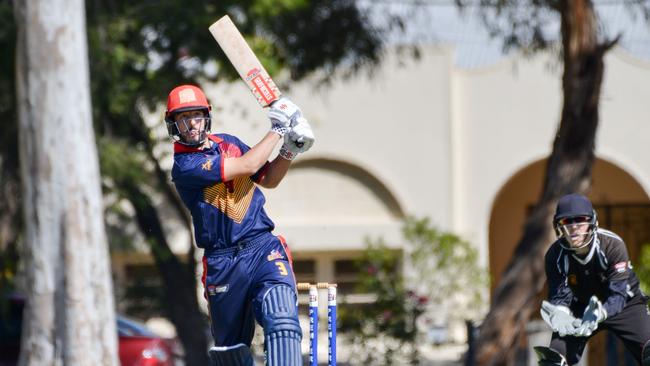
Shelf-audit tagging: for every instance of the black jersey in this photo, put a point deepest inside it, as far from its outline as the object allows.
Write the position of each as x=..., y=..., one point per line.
x=605, y=271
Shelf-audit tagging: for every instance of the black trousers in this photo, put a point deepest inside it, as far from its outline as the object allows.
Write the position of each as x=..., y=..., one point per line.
x=631, y=325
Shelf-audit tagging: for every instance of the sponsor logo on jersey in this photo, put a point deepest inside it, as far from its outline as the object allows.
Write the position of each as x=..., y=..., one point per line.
x=620, y=267
x=274, y=255
x=215, y=289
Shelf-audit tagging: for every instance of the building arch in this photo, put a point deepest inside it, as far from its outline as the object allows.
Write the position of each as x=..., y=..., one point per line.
x=355, y=172
x=327, y=209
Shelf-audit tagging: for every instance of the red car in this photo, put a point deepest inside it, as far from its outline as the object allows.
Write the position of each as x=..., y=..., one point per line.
x=138, y=346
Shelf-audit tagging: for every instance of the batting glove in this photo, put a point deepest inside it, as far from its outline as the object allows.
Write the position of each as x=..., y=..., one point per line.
x=281, y=113
x=300, y=135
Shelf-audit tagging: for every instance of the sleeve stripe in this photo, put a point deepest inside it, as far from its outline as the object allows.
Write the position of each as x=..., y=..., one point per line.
x=221, y=166
x=609, y=233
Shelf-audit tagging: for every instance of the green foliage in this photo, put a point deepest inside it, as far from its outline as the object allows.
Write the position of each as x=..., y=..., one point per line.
x=451, y=263
x=10, y=208
x=121, y=162
x=266, y=8
x=7, y=86
x=441, y=272
x=384, y=332
x=122, y=167
x=643, y=269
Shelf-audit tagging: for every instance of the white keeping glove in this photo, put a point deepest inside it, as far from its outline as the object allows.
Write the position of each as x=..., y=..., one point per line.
x=282, y=112
x=299, y=139
x=594, y=314
x=559, y=318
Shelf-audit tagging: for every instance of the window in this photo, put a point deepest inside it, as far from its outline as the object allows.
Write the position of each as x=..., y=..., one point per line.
x=346, y=274
x=305, y=270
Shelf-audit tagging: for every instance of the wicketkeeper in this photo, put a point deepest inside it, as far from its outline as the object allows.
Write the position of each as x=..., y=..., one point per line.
x=591, y=287
x=247, y=270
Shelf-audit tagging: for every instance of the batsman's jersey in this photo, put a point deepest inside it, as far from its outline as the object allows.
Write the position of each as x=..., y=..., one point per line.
x=605, y=271
x=225, y=211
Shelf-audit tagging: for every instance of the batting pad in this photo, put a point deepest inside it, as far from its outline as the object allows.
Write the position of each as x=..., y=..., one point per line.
x=549, y=357
x=282, y=333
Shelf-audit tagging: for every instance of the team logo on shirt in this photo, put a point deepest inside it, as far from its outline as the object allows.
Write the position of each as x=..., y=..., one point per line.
x=620, y=267
x=207, y=165
x=274, y=255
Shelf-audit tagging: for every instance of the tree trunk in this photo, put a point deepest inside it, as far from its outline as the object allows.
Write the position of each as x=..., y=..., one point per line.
x=178, y=280
x=568, y=170
x=69, y=313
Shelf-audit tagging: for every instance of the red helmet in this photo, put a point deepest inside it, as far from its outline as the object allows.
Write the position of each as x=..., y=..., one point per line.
x=185, y=98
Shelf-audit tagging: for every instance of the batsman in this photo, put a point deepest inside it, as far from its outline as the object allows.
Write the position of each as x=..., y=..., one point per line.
x=591, y=287
x=247, y=274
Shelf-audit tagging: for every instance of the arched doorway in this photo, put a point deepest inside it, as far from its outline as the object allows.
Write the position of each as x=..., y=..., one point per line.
x=327, y=209
x=622, y=204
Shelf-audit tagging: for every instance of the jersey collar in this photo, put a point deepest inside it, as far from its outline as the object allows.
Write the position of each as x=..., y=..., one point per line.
x=181, y=149
x=594, y=246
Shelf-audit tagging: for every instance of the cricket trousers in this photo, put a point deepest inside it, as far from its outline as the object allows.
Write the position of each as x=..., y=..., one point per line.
x=236, y=280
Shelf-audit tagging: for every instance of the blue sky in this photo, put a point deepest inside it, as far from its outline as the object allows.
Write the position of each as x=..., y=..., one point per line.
x=439, y=21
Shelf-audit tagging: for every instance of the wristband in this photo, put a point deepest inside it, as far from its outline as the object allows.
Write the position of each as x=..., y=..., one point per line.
x=287, y=153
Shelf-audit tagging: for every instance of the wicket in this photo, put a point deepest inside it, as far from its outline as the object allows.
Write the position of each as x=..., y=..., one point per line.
x=313, y=320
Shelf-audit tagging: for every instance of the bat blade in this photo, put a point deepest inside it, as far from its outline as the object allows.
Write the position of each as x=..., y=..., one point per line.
x=248, y=66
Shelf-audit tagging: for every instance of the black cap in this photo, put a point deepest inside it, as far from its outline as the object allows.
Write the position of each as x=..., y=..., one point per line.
x=572, y=205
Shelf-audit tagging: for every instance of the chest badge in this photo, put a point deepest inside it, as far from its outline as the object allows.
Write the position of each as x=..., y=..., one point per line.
x=207, y=165
x=573, y=280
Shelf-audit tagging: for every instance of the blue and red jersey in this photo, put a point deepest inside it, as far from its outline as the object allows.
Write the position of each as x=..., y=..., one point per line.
x=225, y=211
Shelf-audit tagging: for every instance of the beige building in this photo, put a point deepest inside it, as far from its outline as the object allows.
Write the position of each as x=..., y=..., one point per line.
x=463, y=147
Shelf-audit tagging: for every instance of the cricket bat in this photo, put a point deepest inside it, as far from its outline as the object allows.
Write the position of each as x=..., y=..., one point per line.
x=245, y=62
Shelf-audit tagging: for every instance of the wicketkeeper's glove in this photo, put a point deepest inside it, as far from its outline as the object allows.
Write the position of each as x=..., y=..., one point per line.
x=560, y=319
x=594, y=314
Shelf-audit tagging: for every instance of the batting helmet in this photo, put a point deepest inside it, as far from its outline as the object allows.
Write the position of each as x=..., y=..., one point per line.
x=186, y=98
